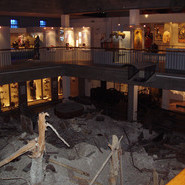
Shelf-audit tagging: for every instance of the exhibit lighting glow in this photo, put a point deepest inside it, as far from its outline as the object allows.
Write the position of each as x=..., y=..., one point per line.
x=76, y=43
x=146, y=15
x=0, y=27
x=144, y=25
x=80, y=34
x=80, y=40
x=45, y=28
x=119, y=24
x=52, y=28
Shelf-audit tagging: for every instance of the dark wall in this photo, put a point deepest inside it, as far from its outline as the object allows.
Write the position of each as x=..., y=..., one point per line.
x=24, y=22
x=75, y=6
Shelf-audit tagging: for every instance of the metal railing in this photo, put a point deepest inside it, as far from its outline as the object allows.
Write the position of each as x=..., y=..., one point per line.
x=170, y=60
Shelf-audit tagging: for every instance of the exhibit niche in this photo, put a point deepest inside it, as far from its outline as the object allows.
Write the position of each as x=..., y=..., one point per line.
x=38, y=91
x=165, y=35
x=75, y=37
x=9, y=96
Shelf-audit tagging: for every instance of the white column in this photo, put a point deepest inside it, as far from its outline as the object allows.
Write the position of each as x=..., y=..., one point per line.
x=65, y=21
x=134, y=18
x=87, y=87
x=132, y=102
x=5, y=56
x=165, y=99
x=66, y=87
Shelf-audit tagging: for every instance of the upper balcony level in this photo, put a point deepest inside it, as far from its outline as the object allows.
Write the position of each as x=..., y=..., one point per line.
x=139, y=65
x=68, y=51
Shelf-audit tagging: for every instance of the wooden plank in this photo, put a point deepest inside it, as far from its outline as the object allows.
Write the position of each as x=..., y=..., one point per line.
x=21, y=151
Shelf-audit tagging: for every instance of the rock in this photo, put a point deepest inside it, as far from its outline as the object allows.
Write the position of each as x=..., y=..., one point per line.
x=50, y=167
x=10, y=168
x=23, y=135
x=155, y=156
x=100, y=118
x=27, y=168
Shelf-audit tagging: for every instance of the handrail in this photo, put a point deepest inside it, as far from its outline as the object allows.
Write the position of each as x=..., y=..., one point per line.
x=91, y=48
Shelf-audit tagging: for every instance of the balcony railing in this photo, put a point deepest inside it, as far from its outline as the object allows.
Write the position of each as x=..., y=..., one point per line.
x=170, y=60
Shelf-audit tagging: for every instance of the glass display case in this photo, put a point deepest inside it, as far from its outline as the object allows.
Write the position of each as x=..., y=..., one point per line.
x=38, y=91
x=82, y=37
x=46, y=84
x=9, y=96
x=60, y=89
x=75, y=37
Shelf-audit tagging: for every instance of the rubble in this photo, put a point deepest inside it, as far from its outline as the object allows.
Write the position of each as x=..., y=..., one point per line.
x=142, y=152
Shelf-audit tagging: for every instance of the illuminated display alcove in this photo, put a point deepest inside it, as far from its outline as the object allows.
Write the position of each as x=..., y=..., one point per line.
x=38, y=91
x=9, y=96
x=60, y=89
x=75, y=37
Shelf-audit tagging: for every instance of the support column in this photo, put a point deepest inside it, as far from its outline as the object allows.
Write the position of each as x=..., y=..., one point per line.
x=87, y=87
x=134, y=20
x=81, y=86
x=165, y=99
x=54, y=88
x=132, y=102
x=66, y=87
x=134, y=16
x=65, y=21
x=22, y=95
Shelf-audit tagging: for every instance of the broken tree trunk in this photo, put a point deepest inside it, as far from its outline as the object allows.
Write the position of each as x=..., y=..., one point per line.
x=106, y=161
x=37, y=146
x=36, y=172
x=114, y=166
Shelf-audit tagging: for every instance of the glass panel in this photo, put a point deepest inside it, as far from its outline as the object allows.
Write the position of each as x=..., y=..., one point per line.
x=14, y=95
x=60, y=90
x=46, y=88
x=5, y=96
x=38, y=89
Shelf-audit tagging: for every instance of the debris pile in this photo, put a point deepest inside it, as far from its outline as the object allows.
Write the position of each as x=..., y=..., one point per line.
x=144, y=154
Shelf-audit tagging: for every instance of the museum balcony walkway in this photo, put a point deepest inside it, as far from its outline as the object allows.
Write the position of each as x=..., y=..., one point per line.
x=170, y=61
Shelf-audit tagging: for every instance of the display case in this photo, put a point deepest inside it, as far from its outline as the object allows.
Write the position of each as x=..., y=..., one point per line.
x=75, y=37
x=69, y=37
x=60, y=88
x=82, y=37
x=9, y=96
x=46, y=84
x=38, y=91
